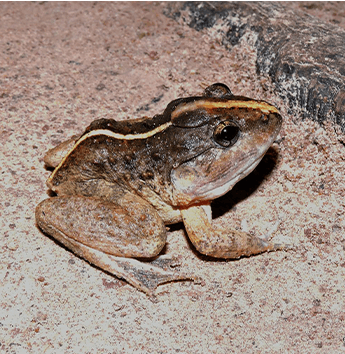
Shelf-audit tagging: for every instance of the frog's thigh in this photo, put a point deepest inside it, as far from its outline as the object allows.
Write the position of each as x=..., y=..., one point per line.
x=134, y=230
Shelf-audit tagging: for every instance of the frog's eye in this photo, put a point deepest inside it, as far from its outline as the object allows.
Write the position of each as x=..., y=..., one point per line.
x=226, y=134
x=218, y=90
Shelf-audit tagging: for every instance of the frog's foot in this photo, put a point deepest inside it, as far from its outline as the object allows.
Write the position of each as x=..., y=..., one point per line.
x=267, y=237
x=221, y=243
x=256, y=245
x=145, y=276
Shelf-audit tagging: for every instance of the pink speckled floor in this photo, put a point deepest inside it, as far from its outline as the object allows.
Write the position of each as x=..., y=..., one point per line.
x=63, y=65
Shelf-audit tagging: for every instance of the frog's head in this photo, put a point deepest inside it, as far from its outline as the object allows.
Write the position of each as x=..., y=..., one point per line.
x=238, y=134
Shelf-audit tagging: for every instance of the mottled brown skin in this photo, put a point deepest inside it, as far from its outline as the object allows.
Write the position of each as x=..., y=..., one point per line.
x=120, y=183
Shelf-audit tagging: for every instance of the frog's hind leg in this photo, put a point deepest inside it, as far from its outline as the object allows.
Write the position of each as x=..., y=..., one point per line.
x=107, y=234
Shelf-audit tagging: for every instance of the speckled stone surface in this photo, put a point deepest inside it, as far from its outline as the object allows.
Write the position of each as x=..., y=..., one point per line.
x=63, y=65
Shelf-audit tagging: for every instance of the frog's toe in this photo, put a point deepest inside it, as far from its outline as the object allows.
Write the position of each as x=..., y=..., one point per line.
x=167, y=262
x=283, y=247
x=259, y=245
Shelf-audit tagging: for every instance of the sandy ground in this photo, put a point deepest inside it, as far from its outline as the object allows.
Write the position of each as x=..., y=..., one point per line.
x=63, y=65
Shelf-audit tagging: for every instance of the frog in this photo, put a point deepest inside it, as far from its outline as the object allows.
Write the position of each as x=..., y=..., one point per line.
x=120, y=184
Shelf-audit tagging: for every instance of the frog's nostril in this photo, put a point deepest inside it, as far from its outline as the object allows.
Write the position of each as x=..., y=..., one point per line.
x=265, y=118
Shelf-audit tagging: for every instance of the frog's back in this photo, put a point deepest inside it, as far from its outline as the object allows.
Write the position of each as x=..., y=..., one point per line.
x=102, y=151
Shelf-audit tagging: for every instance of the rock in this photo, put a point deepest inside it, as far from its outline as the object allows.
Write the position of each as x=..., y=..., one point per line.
x=303, y=56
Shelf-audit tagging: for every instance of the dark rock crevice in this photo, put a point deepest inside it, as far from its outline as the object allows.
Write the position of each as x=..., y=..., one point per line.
x=303, y=56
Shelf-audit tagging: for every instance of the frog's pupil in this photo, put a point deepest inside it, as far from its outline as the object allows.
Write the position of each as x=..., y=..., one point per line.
x=229, y=134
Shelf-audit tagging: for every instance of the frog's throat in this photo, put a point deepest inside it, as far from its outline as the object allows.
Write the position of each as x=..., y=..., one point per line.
x=214, y=188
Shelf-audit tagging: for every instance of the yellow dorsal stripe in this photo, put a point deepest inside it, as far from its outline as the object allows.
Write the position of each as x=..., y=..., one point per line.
x=258, y=105
x=125, y=136
x=112, y=135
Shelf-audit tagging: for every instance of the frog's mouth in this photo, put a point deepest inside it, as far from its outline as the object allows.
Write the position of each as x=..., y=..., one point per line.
x=225, y=183
x=213, y=173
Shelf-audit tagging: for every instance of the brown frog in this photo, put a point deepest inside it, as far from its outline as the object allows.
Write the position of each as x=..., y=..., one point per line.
x=120, y=183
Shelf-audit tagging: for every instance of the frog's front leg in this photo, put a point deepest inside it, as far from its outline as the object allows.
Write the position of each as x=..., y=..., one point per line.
x=106, y=234
x=228, y=244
